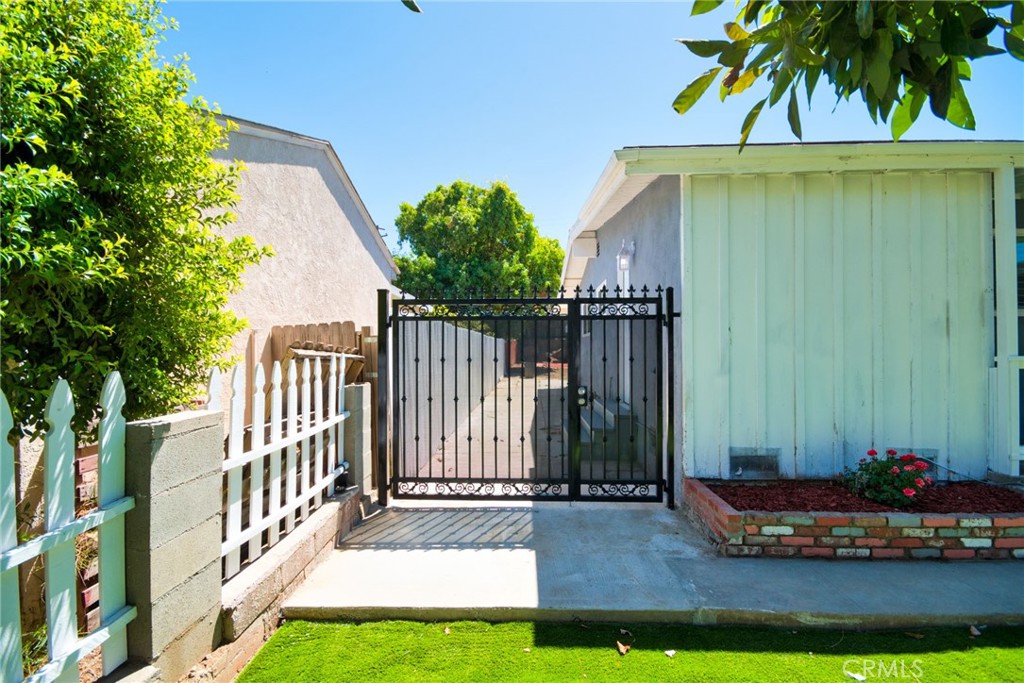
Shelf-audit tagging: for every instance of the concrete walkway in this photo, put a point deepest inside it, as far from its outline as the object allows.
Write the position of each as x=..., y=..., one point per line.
x=627, y=563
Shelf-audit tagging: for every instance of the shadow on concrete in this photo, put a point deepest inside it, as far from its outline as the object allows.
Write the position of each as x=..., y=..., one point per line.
x=469, y=529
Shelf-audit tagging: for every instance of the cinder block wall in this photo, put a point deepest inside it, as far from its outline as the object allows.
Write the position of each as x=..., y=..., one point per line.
x=187, y=619
x=173, y=537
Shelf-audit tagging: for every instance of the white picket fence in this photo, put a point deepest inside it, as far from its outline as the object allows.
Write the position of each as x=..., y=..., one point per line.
x=57, y=545
x=301, y=437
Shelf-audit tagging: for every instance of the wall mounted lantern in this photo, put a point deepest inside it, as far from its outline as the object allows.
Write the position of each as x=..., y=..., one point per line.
x=626, y=254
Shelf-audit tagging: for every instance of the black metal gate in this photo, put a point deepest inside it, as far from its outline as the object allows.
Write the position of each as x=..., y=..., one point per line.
x=539, y=398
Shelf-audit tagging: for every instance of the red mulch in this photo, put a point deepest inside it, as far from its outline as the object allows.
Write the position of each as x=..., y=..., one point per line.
x=823, y=496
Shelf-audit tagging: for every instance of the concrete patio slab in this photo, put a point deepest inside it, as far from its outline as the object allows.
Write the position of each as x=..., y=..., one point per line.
x=627, y=563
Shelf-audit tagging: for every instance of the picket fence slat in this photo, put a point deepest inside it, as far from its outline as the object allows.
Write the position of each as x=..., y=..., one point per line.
x=341, y=462
x=236, y=445
x=318, y=416
x=332, y=409
x=256, y=476
x=59, y=494
x=56, y=546
x=213, y=390
x=275, y=455
x=288, y=473
x=10, y=612
x=291, y=478
x=305, y=454
x=110, y=489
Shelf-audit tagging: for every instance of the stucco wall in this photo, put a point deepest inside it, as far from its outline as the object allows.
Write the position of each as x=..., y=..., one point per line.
x=651, y=222
x=327, y=265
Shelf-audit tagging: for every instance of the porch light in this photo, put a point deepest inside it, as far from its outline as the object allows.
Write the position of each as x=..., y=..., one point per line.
x=625, y=254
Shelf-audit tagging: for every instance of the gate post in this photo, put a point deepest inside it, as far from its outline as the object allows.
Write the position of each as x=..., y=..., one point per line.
x=383, y=394
x=670, y=314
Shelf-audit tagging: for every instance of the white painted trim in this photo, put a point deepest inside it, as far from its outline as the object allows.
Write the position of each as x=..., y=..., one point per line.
x=279, y=135
x=686, y=302
x=1005, y=227
x=722, y=396
x=609, y=182
x=822, y=158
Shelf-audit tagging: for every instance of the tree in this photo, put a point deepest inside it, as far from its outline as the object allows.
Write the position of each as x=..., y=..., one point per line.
x=467, y=238
x=896, y=55
x=110, y=209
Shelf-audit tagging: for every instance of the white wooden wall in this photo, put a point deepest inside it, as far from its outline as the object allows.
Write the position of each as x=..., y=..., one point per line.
x=827, y=313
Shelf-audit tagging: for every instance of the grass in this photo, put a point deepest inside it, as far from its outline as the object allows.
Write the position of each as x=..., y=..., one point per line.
x=400, y=651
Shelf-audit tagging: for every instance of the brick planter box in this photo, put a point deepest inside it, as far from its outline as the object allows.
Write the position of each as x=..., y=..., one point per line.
x=868, y=535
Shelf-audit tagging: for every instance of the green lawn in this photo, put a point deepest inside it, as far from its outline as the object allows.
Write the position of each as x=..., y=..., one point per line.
x=400, y=651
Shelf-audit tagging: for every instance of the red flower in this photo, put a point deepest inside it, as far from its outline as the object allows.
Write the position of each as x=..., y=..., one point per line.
x=895, y=470
x=921, y=465
x=920, y=482
x=872, y=452
x=908, y=457
x=929, y=480
x=891, y=451
x=909, y=468
x=909, y=492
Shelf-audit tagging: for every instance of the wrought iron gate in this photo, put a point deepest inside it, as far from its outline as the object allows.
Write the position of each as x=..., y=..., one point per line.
x=539, y=398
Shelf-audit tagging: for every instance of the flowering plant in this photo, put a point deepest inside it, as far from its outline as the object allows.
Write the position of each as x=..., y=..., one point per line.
x=890, y=480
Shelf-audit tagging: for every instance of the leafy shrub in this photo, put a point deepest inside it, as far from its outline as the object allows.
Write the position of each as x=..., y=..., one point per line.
x=466, y=238
x=889, y=480
x=110, y=209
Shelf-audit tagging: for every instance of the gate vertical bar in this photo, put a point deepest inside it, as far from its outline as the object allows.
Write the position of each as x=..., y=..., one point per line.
x=573, y=428
x=399, y=405
x=382, y=396
x=670, y=431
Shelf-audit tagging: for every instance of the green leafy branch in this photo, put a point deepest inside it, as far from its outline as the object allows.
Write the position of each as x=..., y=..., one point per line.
x=896, y=55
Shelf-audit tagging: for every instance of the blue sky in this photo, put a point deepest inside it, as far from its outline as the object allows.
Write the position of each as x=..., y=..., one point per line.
x=537, y=94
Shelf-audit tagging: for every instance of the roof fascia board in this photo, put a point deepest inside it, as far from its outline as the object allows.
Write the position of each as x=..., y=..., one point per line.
x=822, y=158
x=611, y=179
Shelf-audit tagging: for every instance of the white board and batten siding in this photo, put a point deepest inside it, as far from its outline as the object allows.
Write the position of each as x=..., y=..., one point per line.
x=828, y=313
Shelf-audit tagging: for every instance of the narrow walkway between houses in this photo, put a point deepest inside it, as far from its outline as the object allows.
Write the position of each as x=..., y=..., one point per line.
x=516, y=432
x=634, y=562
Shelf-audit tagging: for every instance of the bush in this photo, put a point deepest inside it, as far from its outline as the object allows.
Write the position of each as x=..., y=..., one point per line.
x=889, y=480
x=110, y=209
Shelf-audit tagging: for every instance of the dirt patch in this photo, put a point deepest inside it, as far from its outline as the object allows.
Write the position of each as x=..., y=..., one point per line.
x=823, y=496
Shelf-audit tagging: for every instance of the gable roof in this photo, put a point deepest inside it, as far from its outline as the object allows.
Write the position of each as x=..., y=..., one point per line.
x=281, y=135
x=631, y=169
